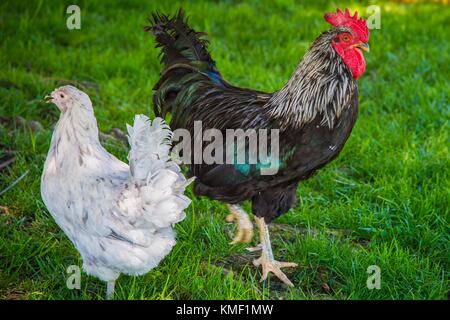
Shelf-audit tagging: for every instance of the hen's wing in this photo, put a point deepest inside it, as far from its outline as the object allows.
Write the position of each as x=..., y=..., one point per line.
x=132, y=206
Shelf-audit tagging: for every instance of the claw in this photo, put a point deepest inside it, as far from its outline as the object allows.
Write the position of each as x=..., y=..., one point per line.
x=244, y=226
x=274, y=267
x=254, y=249
x=266, y=261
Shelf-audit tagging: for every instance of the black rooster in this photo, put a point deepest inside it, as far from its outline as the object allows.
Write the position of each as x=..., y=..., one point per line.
x=315, y=113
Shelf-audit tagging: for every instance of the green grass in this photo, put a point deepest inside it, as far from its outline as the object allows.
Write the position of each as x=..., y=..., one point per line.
x=384, y=201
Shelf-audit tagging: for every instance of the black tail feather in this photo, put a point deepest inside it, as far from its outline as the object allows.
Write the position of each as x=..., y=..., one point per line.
x=178, y=42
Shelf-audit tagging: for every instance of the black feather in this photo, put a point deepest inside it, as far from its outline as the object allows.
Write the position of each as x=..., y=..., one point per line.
x=191, y=89
x=178, y=41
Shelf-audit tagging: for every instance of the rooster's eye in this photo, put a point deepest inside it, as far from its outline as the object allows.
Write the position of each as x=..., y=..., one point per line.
x=345, y=38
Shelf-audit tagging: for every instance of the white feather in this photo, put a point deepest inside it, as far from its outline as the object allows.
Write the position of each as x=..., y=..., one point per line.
x=119, y=217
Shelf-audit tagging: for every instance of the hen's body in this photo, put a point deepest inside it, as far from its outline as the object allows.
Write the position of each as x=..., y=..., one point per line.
x=89, y=193
x=118, y=217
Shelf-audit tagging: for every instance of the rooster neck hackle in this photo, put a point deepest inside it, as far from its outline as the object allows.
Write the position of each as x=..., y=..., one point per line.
x=321, y=85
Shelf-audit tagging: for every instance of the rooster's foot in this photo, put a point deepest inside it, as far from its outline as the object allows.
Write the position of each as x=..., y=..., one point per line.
x=244, y=226
x=266, y=261
x=270, y=265
x=254, y=249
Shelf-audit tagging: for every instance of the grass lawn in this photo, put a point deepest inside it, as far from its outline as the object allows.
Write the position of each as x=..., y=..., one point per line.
x=384, y=201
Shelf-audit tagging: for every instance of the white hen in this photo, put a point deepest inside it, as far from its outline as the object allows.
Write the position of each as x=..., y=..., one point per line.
x=119, y=217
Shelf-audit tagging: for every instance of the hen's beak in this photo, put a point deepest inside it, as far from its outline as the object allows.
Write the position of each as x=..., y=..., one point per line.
x=48, y=98
x=363, y=46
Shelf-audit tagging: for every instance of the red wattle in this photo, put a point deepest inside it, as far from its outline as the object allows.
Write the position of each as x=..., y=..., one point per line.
x=353, y=58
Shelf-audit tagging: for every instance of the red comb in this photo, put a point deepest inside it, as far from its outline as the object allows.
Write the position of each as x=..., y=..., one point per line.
x=340, y=19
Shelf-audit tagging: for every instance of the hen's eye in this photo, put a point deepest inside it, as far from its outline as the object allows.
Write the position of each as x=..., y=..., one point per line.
x=61, y=95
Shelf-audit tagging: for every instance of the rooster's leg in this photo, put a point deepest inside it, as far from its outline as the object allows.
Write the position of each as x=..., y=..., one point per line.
x=244, y=226
x=267, y=262
x=110, y=289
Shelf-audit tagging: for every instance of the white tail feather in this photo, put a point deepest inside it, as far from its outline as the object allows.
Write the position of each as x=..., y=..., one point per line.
x=159, y=180
x=150, y=143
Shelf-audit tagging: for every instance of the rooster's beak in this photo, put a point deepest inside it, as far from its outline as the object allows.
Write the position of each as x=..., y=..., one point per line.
x=363, y=46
